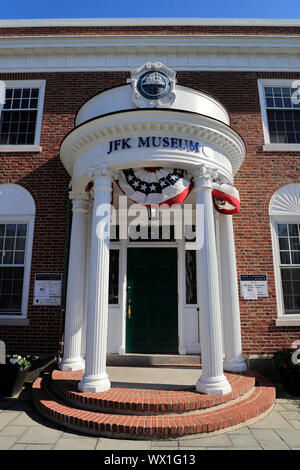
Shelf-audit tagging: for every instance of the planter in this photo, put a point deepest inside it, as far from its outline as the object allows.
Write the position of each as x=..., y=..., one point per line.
x=12, y=379
x=291, y=381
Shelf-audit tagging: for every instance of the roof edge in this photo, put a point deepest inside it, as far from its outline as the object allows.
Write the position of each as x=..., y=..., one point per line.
x=53, y=22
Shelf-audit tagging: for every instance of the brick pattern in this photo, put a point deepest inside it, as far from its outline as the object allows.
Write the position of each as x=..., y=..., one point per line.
x=169, y=426
x=150, y=30
x=118, y=400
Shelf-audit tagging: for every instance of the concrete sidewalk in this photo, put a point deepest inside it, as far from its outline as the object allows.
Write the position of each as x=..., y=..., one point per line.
x=23, y=428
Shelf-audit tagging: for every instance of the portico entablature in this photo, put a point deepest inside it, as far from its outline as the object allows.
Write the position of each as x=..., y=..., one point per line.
x=147, y=138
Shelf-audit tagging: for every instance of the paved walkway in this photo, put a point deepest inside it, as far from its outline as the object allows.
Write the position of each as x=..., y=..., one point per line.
x=23, y=428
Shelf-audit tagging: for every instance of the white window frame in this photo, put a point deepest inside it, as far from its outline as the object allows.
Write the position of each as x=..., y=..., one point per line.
x=41, y=84
x=29, y=220
x=18, y=206
x=278, y=216
x=269, y=147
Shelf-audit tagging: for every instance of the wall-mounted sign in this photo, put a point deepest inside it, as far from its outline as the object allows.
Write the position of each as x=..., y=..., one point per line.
x=254, y=286
x=47, y=289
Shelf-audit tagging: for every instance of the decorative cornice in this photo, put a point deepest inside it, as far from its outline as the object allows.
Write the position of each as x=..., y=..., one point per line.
x=127, y=52
x=196, y=127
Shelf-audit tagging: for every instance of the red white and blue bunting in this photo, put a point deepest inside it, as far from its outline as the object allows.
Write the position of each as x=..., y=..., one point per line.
x=226, y=199
x=155, y=186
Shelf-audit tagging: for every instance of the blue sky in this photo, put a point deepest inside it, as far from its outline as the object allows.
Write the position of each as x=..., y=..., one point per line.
x=18, y=9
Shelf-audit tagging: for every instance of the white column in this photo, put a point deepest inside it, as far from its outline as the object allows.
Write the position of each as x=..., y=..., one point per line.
x=88, y=252
x=212, y=380
x=233, y=361
x=95, y=378
x=72, y=358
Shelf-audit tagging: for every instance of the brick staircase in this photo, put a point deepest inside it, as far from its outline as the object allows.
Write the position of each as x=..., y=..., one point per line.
x=150, y=413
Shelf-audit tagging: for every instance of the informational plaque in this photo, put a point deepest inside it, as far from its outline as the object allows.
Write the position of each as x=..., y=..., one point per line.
x=47, y=289
x=254, y=286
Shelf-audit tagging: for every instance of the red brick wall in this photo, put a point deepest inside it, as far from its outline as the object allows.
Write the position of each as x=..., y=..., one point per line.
x=150, y=30
x=45, y=177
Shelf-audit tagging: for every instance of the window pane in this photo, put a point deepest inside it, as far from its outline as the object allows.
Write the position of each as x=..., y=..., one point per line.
x=282, y=230
x=295, y=257
x=288, y=302
x=287, y=287
x=294, y=242
x=11, y=285
x=295, y=273
x=20, y=243
x=293, y=230
x=285, y=257
x=113, y=291
x=297, y=302
x=8, y=257
x=10, y=230
x=9, y=243
x=286, y=274
x=190, y=277
x=283, y=243
x=19, y=257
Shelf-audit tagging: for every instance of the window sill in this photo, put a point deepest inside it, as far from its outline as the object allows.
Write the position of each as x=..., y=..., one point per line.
x=281, y=148
x=288, y=321
x=19, y=148
x=14, y=321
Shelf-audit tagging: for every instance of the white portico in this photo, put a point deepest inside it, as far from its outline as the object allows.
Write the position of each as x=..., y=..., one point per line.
x=151, y=123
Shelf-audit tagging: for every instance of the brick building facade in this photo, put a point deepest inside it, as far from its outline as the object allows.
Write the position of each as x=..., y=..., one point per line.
x=224, y=61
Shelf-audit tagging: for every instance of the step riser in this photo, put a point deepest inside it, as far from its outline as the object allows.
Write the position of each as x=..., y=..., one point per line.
x=140, y=360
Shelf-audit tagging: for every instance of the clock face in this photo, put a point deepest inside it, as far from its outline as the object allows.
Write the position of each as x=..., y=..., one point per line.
x=153, y=85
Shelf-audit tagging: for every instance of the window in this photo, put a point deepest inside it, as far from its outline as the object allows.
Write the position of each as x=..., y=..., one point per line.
x=285, y=230
x=17, y=211
x=289, y=248
x=113, y=290
x=21, y=116
x=280, y=108
x=190, y=277
x=12, y=262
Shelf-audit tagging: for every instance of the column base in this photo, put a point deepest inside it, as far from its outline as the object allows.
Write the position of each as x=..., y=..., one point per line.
x=236, y=364
x=72, y=364
x=213, y=385
x=94, y=384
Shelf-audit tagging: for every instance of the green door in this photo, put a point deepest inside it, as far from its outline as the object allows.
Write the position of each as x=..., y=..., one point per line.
x=152, y=312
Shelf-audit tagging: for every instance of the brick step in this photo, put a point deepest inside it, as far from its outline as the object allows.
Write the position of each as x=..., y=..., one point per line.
x=156, y=360
x=255, y=405
x=145, y=402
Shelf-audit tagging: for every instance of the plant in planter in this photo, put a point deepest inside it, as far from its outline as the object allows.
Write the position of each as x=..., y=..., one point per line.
x=289, y=369
x=13, y=374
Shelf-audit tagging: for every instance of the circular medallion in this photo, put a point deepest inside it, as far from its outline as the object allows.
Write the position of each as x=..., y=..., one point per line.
x=153, y=85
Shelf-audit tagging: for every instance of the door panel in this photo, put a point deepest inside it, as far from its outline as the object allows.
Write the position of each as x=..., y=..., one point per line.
x=152, y=307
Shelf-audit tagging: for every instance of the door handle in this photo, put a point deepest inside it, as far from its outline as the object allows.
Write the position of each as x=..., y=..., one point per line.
x=129, y=311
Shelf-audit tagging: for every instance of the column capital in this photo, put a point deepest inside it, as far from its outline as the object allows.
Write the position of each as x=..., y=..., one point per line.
x=99, y=170
x=203, y=177
x=102, y=177
x=79, y=200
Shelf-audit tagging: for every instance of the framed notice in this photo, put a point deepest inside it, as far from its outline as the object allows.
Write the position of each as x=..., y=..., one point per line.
x=47, y=289
x=254, y=286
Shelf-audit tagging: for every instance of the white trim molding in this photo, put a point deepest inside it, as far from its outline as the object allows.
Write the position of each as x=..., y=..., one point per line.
x=115, y=52
x=284, y=208
x=46, y=22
